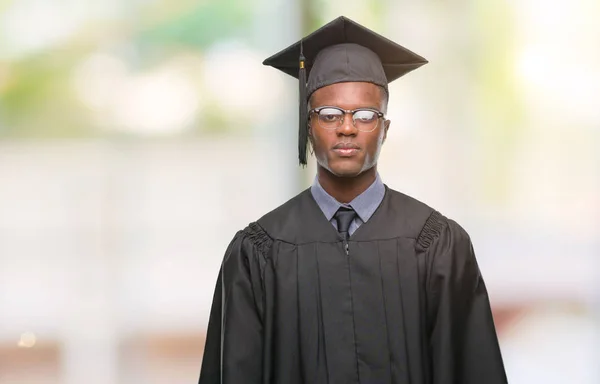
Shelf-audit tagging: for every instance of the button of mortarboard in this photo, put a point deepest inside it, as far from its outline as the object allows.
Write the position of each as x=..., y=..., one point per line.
x=344, y=217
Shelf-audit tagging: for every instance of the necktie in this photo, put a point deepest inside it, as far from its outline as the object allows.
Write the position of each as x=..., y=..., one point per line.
x=344, y=217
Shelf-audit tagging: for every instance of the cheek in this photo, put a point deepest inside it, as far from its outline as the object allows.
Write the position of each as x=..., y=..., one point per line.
x=376, y=142
x=321, y=139
x=374, y=148
x=319, y=143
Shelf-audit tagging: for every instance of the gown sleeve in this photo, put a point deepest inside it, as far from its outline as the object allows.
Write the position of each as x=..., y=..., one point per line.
x=463, y=341
x=234, y=341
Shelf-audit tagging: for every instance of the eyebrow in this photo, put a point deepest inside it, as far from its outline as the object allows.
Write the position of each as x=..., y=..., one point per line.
x=337, y=106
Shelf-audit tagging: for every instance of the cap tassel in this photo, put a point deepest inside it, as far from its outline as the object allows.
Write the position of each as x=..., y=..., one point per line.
x=303, y=113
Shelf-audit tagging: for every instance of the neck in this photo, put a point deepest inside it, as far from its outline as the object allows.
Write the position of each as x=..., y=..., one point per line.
x=346, y=189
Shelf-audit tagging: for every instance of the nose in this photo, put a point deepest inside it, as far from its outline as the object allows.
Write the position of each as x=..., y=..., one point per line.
x=347, y=127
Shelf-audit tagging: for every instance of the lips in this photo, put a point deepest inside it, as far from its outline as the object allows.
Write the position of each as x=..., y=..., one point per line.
x=346, y=146
x=346, y=149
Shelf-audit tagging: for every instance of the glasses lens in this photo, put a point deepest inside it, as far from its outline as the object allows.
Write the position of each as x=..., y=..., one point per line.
x=365, y=120
x=330, y=118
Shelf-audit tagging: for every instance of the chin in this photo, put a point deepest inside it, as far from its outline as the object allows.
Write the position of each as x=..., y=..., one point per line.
x=345, y=168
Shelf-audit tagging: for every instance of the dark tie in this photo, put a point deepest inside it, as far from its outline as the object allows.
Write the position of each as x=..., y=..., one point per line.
x=344, y=217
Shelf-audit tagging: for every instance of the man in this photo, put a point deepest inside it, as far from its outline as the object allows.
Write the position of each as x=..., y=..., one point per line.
x=350, y=281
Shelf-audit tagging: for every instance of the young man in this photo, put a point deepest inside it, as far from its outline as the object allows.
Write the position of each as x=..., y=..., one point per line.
x=350, y=281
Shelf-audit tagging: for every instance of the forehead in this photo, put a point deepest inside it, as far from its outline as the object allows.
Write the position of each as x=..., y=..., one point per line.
x=348, y=95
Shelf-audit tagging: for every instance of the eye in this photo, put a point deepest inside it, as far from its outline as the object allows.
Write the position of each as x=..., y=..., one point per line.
x=365, y=116
x=329, y=115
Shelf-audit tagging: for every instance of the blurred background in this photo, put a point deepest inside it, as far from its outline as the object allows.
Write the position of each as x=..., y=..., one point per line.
x=137, y=136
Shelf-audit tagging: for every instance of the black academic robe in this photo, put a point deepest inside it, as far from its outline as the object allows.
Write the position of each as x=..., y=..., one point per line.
x=401, y=302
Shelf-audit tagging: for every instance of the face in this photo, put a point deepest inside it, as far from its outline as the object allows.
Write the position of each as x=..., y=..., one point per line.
x=346, y=151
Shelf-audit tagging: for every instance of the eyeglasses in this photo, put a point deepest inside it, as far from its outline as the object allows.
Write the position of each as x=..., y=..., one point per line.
x=363, y=119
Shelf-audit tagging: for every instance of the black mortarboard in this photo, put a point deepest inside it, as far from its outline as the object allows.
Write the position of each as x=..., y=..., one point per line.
x=341, y=51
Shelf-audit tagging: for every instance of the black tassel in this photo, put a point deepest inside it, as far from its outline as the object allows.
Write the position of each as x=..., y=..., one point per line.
x=303, y=113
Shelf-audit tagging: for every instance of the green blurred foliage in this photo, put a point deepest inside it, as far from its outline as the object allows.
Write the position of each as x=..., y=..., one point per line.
x=37, y=100
x=313, y=15
x=36, y=97
x=198, y=25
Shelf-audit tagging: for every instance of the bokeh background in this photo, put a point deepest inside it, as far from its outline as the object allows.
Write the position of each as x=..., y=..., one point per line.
x=137, y=136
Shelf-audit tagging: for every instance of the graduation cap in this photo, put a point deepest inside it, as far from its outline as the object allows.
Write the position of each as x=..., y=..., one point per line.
x=341, y=51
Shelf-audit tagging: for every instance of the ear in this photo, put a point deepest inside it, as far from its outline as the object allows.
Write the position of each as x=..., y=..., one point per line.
x=386, y=126
x=311, y=139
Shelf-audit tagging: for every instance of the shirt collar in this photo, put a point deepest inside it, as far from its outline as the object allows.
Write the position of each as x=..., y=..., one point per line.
x=364, y=204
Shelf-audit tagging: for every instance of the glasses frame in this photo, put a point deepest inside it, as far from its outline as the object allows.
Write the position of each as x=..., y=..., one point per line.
x=380, y=115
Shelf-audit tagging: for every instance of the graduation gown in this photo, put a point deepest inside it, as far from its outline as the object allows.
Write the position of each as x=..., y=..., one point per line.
x=401, y=302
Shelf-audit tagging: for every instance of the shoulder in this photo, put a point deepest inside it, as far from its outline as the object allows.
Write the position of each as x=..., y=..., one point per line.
x=282, y=214
x=250, y=243
x=260, y=234
x=444, y=232
x=438, y=226
x=414, y=217
x=428, y=224
x=408, y=205
x=258, y=237
x=294, y=221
